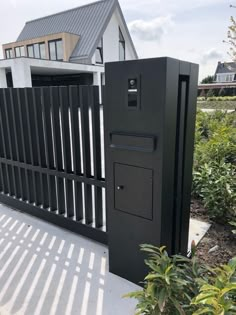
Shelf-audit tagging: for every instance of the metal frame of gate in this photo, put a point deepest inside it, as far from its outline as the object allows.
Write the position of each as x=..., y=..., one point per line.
x=51, y=156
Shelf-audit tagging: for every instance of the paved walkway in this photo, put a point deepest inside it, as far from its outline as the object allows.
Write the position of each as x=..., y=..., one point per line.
x=50, y=271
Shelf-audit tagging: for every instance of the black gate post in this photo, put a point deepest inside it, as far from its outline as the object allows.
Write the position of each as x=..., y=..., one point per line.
x=150, y=108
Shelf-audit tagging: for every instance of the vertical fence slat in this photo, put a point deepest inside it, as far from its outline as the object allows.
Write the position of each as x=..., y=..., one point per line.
x=78, y=201
x=6, y=140
x=39, y=189
x=84, y=104
x=11, y=137
x=54, y=91
x=41, y=144
x=5, y=123
x=75, y=133
x=8, y=135
x=45, y=191
x=30, y=129
x=16, y=155
x=95, y=105
x=5, y=178
x=64, y=102
x=37, y=154
x=46, y=106
x=25, y=141
x=1, y=179
x=53, y=194
x=61, y=195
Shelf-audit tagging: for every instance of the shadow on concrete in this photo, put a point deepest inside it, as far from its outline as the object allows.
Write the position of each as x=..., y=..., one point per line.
x=47, y=270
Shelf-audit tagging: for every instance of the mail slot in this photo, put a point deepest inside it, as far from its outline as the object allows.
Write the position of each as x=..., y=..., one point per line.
x=150, y=108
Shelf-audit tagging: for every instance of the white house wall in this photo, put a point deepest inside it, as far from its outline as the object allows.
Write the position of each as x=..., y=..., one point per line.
x=111, y=40
x=21, y=69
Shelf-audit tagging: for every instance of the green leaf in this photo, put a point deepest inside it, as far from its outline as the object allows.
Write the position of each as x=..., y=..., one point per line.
x=134, y=294
x=162, y=297
x=205, y=310
x=177, y=306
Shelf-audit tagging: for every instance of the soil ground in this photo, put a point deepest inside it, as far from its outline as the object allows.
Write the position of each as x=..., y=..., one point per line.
x=218, y=235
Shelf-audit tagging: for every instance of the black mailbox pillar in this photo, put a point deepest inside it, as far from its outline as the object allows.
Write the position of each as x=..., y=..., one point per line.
x=150, y=108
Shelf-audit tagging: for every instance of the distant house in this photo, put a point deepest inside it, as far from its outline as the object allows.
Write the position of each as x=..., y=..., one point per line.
x=67, y=48
x=224, y=79
x=225, y=72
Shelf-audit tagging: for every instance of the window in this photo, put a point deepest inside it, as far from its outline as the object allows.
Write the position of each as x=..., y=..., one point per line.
x=37, y=51
x=121, y=46
x=42, y=50
x=99, y=52
x=224, y=77
x=20, y=51
x=9, y=53
x=30, y=49
x=56, y=50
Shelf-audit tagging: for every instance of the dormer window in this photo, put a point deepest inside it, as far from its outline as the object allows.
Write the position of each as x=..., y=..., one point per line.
x=121, y=46
x=99, y=52
x=55, y=50
x=20, y=51
x=9, y=53
x=37, y=50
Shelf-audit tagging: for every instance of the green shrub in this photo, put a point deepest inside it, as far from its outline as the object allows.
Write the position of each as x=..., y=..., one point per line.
x=180, y=286
x=217, y=295
x=212, y=97
x=215, y=184
x=214, y=175
x=170, y=285
x=201, y=99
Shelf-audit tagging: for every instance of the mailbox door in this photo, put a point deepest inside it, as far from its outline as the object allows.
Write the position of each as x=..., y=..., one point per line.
x=133, y=190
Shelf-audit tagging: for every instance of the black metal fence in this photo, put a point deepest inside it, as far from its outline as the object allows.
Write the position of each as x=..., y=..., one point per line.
x=51, y=156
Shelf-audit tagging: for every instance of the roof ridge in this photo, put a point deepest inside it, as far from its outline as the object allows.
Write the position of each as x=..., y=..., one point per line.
x=61, y=12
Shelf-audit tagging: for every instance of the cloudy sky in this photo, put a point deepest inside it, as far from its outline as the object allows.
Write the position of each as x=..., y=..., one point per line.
x=184, y=29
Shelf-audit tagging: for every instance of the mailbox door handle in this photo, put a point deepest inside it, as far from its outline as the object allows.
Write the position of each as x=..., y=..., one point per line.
x=120, y=187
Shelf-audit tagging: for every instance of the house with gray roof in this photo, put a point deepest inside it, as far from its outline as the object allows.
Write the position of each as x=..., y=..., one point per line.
x=68, y=48
x=225, y=72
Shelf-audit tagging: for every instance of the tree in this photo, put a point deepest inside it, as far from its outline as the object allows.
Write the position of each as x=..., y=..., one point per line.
x=208, y=79
x=232, y=38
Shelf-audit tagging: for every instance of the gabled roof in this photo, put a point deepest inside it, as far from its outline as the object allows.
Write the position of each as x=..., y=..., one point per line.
x=88, y=21
x=226, y=67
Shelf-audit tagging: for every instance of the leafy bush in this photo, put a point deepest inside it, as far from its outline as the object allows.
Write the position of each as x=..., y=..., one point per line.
x=214, y=174
x=217, y=295
x=201, y=99
x=170, y=285
x=215, y=183
x=180, y=286
x=211, y=97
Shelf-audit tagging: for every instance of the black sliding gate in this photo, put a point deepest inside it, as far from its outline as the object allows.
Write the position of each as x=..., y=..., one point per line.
x=51, y=156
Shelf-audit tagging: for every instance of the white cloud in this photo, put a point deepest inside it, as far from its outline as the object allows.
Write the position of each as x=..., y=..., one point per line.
x=13, y=3
x=211, y=55
x=151, y=30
